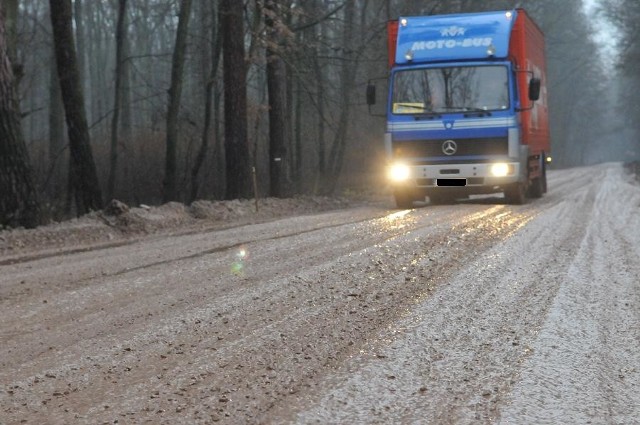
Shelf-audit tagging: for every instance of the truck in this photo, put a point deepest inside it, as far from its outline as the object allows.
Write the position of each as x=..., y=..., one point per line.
x=466, y=108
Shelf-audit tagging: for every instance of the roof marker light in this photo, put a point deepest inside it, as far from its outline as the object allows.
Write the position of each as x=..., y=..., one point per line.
x=509, y=15
x=409, y=55
x=491, y=51
x=403, y=22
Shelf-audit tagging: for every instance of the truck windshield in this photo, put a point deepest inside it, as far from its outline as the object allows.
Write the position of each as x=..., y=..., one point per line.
x=454, y=89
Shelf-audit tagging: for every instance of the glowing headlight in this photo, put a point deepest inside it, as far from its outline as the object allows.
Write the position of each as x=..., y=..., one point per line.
x=499, y=170
x=399, y=172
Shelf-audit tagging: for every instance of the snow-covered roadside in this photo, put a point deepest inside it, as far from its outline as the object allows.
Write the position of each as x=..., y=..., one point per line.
x=119, y=225
x=586, y=366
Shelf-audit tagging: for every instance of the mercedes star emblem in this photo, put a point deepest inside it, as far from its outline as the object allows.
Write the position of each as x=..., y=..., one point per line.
x=449, y=147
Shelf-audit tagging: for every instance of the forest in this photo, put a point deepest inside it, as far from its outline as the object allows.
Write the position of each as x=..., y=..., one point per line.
x=152, y=101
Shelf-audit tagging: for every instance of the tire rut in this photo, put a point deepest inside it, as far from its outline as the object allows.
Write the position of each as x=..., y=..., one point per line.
x=187, y=334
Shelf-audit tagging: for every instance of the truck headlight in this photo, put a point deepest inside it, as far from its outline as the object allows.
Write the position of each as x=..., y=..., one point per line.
x=399, y=172
x=501, y=170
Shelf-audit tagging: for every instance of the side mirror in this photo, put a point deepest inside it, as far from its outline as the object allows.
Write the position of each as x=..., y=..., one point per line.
x=371, y=94
x=534, y=89
x=371, y=97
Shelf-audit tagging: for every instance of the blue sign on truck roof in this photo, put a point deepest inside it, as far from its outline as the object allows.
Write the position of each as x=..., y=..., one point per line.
x=454, y=37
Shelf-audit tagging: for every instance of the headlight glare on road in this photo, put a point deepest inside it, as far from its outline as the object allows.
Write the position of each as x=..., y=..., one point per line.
x=399, y=172
x=500, y=170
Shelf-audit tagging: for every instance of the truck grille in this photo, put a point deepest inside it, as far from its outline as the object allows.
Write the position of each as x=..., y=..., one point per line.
x=466, y=147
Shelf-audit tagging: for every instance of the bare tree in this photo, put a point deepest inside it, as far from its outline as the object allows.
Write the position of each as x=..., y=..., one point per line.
x=216, y=44
x=86, y=185
x=11, y=36
x=120, y=37
x=238, y=161
x=18, y=203
x=624, y=14
x=57, y=146
x=170, y=192
x=78, y=20
x=277, y=87
x=347, y=79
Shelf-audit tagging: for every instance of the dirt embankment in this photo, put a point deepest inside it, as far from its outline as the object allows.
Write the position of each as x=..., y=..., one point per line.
x=119, y=224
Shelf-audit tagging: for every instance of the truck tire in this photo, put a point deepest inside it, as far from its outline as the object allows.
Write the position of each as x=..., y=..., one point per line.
x=544, y=174
x=516, y=194
x=537, y=188
x=404, y=199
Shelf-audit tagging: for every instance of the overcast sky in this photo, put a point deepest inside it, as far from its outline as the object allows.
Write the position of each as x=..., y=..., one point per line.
x=605, y=36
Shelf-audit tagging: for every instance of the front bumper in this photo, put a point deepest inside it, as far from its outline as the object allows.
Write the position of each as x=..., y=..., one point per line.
x=474, y=175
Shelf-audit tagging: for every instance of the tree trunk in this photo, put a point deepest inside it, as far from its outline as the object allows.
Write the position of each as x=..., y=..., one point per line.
x=120, y=37
x=11, y=38
x=126, y=119
x=237, y=156
x=320, y=100
x=296, y=133
x=57, y=148
x=18, y=200
x=216, y=43
x=322, y=145
x=78, y=20
x=277, y=87
x=87, y=187
x=170, y=192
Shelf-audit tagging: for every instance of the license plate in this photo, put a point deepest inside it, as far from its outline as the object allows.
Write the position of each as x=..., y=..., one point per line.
x=452, y=182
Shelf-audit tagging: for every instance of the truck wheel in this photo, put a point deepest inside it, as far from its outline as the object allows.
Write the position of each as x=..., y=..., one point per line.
x=516, y=194
x=404, y=199
x=544, y=174
x=538, y=185
x=537, y=188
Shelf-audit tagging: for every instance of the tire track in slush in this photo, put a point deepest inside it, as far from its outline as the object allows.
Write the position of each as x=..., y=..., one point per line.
x=186, y=341
x=147, y=341
x=457, y=355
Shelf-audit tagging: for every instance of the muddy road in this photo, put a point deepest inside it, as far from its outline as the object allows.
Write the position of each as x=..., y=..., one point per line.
x=474, y=313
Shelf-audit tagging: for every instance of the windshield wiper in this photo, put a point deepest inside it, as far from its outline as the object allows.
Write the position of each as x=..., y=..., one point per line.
x=427, y=115
x=468, y=110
